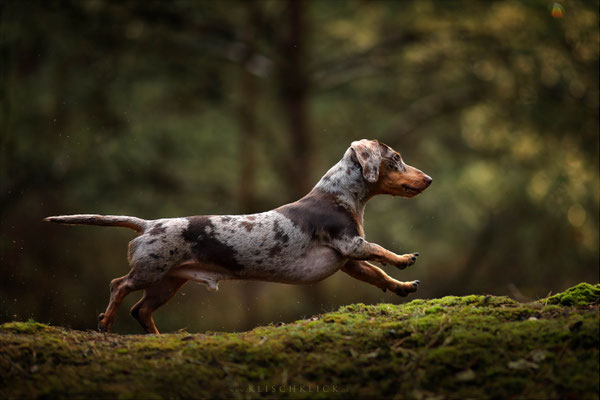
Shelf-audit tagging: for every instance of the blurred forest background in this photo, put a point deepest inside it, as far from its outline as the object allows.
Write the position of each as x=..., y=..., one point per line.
x=164, y=109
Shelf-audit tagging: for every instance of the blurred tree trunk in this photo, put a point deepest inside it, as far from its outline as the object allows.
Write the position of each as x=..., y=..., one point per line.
x=247, y=111
x=295, y=88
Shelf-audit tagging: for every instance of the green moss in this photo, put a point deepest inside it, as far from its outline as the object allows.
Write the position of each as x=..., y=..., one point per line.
x=453, y=347
x=434, y=309
x=580, y=295
x=25, y=327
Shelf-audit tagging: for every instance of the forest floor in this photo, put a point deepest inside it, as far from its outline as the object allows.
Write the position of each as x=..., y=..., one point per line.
x=454, y=347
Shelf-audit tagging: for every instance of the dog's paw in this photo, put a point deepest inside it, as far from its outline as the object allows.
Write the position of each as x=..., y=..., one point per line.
x=413, y=258
x=406, y=260
x=405, y=288
x=101, y=323
x=415, y=285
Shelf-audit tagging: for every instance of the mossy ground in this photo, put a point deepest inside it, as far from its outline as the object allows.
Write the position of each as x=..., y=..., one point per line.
x=453, y=347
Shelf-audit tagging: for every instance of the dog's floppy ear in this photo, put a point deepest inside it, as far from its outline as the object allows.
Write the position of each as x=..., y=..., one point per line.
x=368, y=155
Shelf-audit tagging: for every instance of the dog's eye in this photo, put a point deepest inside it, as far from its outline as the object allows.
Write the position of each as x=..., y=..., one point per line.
x=397, y=158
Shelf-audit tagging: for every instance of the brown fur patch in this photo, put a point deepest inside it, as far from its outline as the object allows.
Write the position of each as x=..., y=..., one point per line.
x=247, y=225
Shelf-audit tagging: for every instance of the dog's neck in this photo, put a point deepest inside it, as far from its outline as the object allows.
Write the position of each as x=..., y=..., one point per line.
x=346, y=182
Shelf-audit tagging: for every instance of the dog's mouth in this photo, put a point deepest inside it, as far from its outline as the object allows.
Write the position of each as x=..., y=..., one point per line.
x=411, y=190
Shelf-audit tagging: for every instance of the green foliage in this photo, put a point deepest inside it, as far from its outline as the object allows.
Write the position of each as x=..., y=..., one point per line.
x=457, y=347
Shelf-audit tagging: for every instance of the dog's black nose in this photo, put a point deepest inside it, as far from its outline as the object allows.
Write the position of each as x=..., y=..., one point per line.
x=428, y=180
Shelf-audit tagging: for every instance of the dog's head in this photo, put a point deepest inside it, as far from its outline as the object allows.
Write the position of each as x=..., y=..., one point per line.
x=383, y=167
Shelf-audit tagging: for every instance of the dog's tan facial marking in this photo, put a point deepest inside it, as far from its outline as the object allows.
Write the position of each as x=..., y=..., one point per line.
x=397, y=178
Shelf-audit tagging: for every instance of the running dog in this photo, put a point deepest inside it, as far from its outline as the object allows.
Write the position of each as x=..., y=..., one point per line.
x=301, y=242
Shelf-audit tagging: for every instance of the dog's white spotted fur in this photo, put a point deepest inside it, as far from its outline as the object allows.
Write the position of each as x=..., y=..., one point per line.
x=345, y=181
x=159, y=249
x=268, y=246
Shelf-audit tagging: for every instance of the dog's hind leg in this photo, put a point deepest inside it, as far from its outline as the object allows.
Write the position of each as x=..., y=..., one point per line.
x=369, y=273
x=154, y=297
x=137, y=279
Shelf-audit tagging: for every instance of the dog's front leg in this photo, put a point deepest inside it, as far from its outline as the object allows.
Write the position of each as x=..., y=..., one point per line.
x=357, y=248
x=369, y=273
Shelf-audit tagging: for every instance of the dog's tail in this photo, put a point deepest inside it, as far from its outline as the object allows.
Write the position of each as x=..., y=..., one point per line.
x=137, y=224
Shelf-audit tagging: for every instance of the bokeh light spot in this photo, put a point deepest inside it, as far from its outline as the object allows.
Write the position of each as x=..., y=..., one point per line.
x=557, y=11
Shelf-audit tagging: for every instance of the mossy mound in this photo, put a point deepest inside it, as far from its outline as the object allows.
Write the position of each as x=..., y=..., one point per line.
x=580, y=295
x=453, y=347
